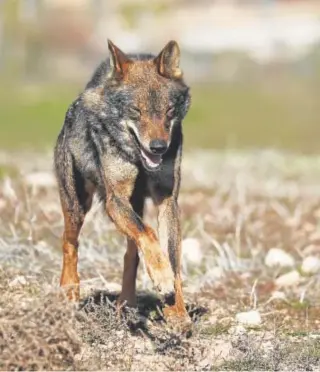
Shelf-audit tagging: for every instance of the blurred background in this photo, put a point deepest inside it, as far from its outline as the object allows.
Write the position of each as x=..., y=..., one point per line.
x=254, y=66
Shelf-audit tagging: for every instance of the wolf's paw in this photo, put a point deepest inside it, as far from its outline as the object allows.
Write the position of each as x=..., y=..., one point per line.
x=163, y=280
x=70, y=285
x=179, y=321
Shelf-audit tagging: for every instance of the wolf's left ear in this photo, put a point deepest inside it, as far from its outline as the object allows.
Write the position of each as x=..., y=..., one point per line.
x=168, y=61
x=119, y=61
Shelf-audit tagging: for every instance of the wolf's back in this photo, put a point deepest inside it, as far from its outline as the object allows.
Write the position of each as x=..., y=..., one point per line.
x=100, y=72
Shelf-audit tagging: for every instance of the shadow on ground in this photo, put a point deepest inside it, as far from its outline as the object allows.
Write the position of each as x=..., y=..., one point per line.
x=148, y=311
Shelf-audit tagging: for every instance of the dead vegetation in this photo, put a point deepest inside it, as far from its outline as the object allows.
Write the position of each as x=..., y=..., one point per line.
x=237, y=206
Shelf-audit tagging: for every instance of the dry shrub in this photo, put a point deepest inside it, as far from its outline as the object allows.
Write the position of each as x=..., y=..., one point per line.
x=106, y=333
x=36, y=333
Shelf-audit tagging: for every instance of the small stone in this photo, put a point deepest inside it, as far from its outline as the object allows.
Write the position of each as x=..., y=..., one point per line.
x=288, y=279
x=310, y=265
x=191, y=251
x=251, y=318
x=18, y=281
x=278, y=257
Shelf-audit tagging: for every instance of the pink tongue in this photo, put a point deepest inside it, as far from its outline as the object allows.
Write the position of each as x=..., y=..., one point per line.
x=152, y=160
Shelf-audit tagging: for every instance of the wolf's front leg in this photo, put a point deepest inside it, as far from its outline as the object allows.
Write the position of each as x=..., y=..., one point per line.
x=130, y=224
x=170, y=240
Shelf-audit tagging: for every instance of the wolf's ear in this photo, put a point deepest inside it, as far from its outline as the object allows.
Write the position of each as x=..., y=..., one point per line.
x=119, y=61
x=168, y=61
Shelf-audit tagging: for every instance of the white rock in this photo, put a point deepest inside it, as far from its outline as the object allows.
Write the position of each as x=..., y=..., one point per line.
x=288, y=279
x=40, y=179
x=191, y=251
x=252, y=318
x=18, y=281
x=278, y=257
x=311, y=265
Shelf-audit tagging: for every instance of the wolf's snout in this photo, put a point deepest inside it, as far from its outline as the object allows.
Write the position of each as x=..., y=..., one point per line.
x=158, y=146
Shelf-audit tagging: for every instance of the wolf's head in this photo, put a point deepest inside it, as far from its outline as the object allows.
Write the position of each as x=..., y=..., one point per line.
x=151, y=98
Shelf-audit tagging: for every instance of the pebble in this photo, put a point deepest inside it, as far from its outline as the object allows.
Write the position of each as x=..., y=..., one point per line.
x=279, y=257
x=251, y=318
x=311, y=265
x=289, y=279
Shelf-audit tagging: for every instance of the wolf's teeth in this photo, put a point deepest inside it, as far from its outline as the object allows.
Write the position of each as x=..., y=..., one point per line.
x=153, y=161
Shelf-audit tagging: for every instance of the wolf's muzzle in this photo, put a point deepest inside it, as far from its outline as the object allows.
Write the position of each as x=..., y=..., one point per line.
x=158, y=146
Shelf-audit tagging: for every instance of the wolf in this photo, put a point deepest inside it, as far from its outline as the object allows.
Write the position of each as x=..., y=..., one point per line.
x=122, y=140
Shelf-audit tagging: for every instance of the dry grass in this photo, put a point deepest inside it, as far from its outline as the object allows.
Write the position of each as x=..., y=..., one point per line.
x=237, y=205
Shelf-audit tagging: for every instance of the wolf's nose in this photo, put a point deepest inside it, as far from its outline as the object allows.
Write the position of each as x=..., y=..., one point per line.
x=158, y=146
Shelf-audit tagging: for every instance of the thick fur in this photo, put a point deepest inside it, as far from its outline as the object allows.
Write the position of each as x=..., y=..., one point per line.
x=130, y=101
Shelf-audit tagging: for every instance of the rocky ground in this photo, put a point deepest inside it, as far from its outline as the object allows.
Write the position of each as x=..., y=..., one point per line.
x=251, y=269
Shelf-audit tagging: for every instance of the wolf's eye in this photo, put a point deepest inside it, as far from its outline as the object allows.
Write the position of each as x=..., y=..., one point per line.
x=167, y=125
x=170, y=112
x=134, y=112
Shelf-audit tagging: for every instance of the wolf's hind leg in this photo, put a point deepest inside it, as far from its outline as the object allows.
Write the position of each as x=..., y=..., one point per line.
x=131, y=262
x=76, y=199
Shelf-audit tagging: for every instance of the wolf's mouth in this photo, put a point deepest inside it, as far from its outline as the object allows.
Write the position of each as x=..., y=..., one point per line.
x=151, y=161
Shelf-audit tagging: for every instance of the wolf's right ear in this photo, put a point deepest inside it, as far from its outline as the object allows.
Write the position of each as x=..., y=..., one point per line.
x=119, y=61
x=168, y=61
